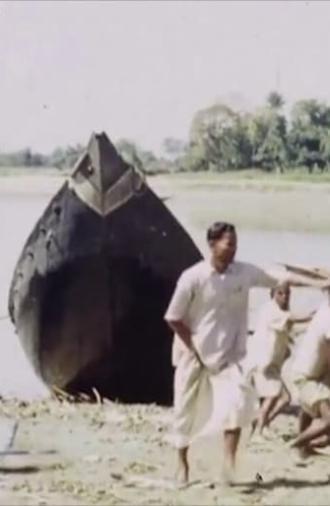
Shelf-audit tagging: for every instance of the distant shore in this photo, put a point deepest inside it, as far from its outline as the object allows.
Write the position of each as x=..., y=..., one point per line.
x=263, y=203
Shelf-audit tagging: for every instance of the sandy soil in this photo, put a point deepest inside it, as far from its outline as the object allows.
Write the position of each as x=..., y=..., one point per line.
x=116, y=454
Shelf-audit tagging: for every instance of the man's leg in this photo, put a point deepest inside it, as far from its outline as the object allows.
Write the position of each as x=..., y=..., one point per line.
x=231, y=442
x=319, y=427
x=270, y=386
x=182, y=472
x=254, y=424
x=304, y=421
x=320, y=442
x=265, y=409
x=281, y=401
x=186, y=384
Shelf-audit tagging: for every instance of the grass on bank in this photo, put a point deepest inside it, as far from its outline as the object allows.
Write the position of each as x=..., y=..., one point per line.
x=32, y=171
x=254, y=175
x=294, y=175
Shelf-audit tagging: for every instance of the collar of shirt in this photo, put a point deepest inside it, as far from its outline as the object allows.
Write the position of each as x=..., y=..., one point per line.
x=210, y=269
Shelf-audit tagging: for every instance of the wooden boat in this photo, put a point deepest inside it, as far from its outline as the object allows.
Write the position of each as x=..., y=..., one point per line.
x=93, y=281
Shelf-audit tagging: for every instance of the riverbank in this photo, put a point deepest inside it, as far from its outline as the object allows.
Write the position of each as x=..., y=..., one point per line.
x=117, y=454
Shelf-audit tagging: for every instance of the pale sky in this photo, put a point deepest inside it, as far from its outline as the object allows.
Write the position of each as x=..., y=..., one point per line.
x=140, y=70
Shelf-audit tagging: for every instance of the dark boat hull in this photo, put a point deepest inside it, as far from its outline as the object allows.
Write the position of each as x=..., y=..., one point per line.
x=89, y=295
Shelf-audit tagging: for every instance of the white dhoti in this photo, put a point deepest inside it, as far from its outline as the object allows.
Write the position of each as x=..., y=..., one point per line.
x=206, y=403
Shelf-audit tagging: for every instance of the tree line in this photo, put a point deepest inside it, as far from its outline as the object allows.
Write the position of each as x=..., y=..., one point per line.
x=222, y=139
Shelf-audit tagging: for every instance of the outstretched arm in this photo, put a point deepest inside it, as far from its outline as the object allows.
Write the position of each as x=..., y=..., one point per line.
x=269, y=278
x=300, y=281
x=305, y=319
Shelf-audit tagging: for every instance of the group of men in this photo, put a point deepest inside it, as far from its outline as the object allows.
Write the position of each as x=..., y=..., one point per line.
x=219, y=373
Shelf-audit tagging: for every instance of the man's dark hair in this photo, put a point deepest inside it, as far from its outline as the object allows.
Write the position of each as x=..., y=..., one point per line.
x=216, y=231
x=274, y=288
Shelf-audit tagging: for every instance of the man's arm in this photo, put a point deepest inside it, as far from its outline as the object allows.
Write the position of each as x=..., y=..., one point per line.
x=287, y=320
x=269, y=278
x=181, y=329
x=178, y=309
x=184, y=333
x=300, y=281
x=176, y=314
x=301, y=319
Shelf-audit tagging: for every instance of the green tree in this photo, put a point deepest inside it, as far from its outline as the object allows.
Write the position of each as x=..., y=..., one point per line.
x=145, y=161
x=173, y=148
x=309, y=135
x=65, y=158
x=275, y=100
x=268, y=135
x=272, y=151
x=218, y=140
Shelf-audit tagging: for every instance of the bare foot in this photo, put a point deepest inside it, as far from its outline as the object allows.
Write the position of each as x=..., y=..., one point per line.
x=302, y=455
x=267, y=433
x=227, y=474
x=292, y=443
x=307, y=451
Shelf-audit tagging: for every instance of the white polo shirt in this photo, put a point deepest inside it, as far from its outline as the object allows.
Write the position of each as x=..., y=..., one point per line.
x=310, y=361
x=214, y=307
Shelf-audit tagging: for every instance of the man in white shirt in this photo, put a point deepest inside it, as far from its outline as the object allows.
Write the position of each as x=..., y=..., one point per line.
x=267, y=351
x=208, y=313
x=310, y=374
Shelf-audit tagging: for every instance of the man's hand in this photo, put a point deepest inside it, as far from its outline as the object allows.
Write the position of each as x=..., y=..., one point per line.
x=181, y=330
x=198, y=357
x=184, y=333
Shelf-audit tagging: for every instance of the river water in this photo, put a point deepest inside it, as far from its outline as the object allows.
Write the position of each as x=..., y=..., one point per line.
x=18, y=214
